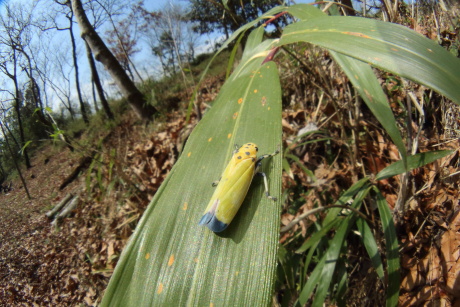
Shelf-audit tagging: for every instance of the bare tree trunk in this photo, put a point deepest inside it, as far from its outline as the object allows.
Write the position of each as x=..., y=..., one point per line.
x=15, y=163
x=18, y=146
x=174, y=38
x=128, y=58
x=17, y=108
x=84, y=114
x=97, y=83
x=102, y=53
x=93, y=91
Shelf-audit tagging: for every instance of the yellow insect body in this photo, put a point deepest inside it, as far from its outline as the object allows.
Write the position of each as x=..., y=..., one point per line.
x=232, y=188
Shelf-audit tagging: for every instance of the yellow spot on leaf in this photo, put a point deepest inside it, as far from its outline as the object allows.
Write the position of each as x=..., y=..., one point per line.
x=189, y=154
x=147, y=256
x=356, y=34
x=237, y=273
x=369, y=96
x=394, y=49
x=171, y=260
x=240, y=101
x=429, y=50
x=185, y=206
x=377, y=59
x=255, y=91
x=229, y=135
x=235, y=115
x=211, y=305
x=160, y=288
x=268, y=108
x=210, y=139
x=195, y=260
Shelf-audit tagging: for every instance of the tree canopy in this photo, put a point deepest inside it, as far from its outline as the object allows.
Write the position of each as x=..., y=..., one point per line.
x=227, y=16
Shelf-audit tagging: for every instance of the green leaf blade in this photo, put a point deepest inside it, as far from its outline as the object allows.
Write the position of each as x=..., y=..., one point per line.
x=371, y=246
x=365, y=82
x=170, y=259
x=388, y=46
x=413, y=162
x=392, y=250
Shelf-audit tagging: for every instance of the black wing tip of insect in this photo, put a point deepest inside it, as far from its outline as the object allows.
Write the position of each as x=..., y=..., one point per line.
x=209, y=220
x=205, y=219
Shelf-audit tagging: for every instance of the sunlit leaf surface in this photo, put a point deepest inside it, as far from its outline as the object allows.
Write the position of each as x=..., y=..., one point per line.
x=170, y=259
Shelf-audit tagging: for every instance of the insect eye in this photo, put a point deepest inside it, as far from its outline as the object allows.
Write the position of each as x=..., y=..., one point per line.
x=257, y=149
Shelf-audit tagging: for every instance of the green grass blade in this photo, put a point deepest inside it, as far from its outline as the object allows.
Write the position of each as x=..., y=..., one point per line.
x=305, y=11
x=231, y=60
x=345, y=198
x=313, y=280
x=317, y=236
x=413, y=162
x=300, y=164
x=385, y=45
x=365, y=82
x=171, y=260
x=392, y=252
x=371, y=246
x=342, y=279
x=332, y=253
x=288, y=268
x=363, y=79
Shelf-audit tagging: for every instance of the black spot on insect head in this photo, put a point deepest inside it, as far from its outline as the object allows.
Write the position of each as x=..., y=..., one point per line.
x=239, y=157
x=257, y=149
x=247, y=153
x=253, y=159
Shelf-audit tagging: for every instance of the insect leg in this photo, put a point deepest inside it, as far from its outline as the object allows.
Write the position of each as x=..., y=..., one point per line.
x=266, y=186
x=258, y=164
x=259, y=160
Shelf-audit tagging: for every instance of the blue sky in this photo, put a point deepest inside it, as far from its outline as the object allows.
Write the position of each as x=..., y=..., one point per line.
x=143, y=60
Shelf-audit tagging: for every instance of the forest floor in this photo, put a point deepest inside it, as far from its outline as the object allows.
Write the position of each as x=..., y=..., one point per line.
x=70, y=263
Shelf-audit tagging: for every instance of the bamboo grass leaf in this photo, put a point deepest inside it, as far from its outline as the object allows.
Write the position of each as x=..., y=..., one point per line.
x=172, y=261
x=388, y=46
x=392, y=250
x=371, y=246
x=332, y=253
x=317, y=236
x=413, y=162
x=365, y=82
x=363, y=79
